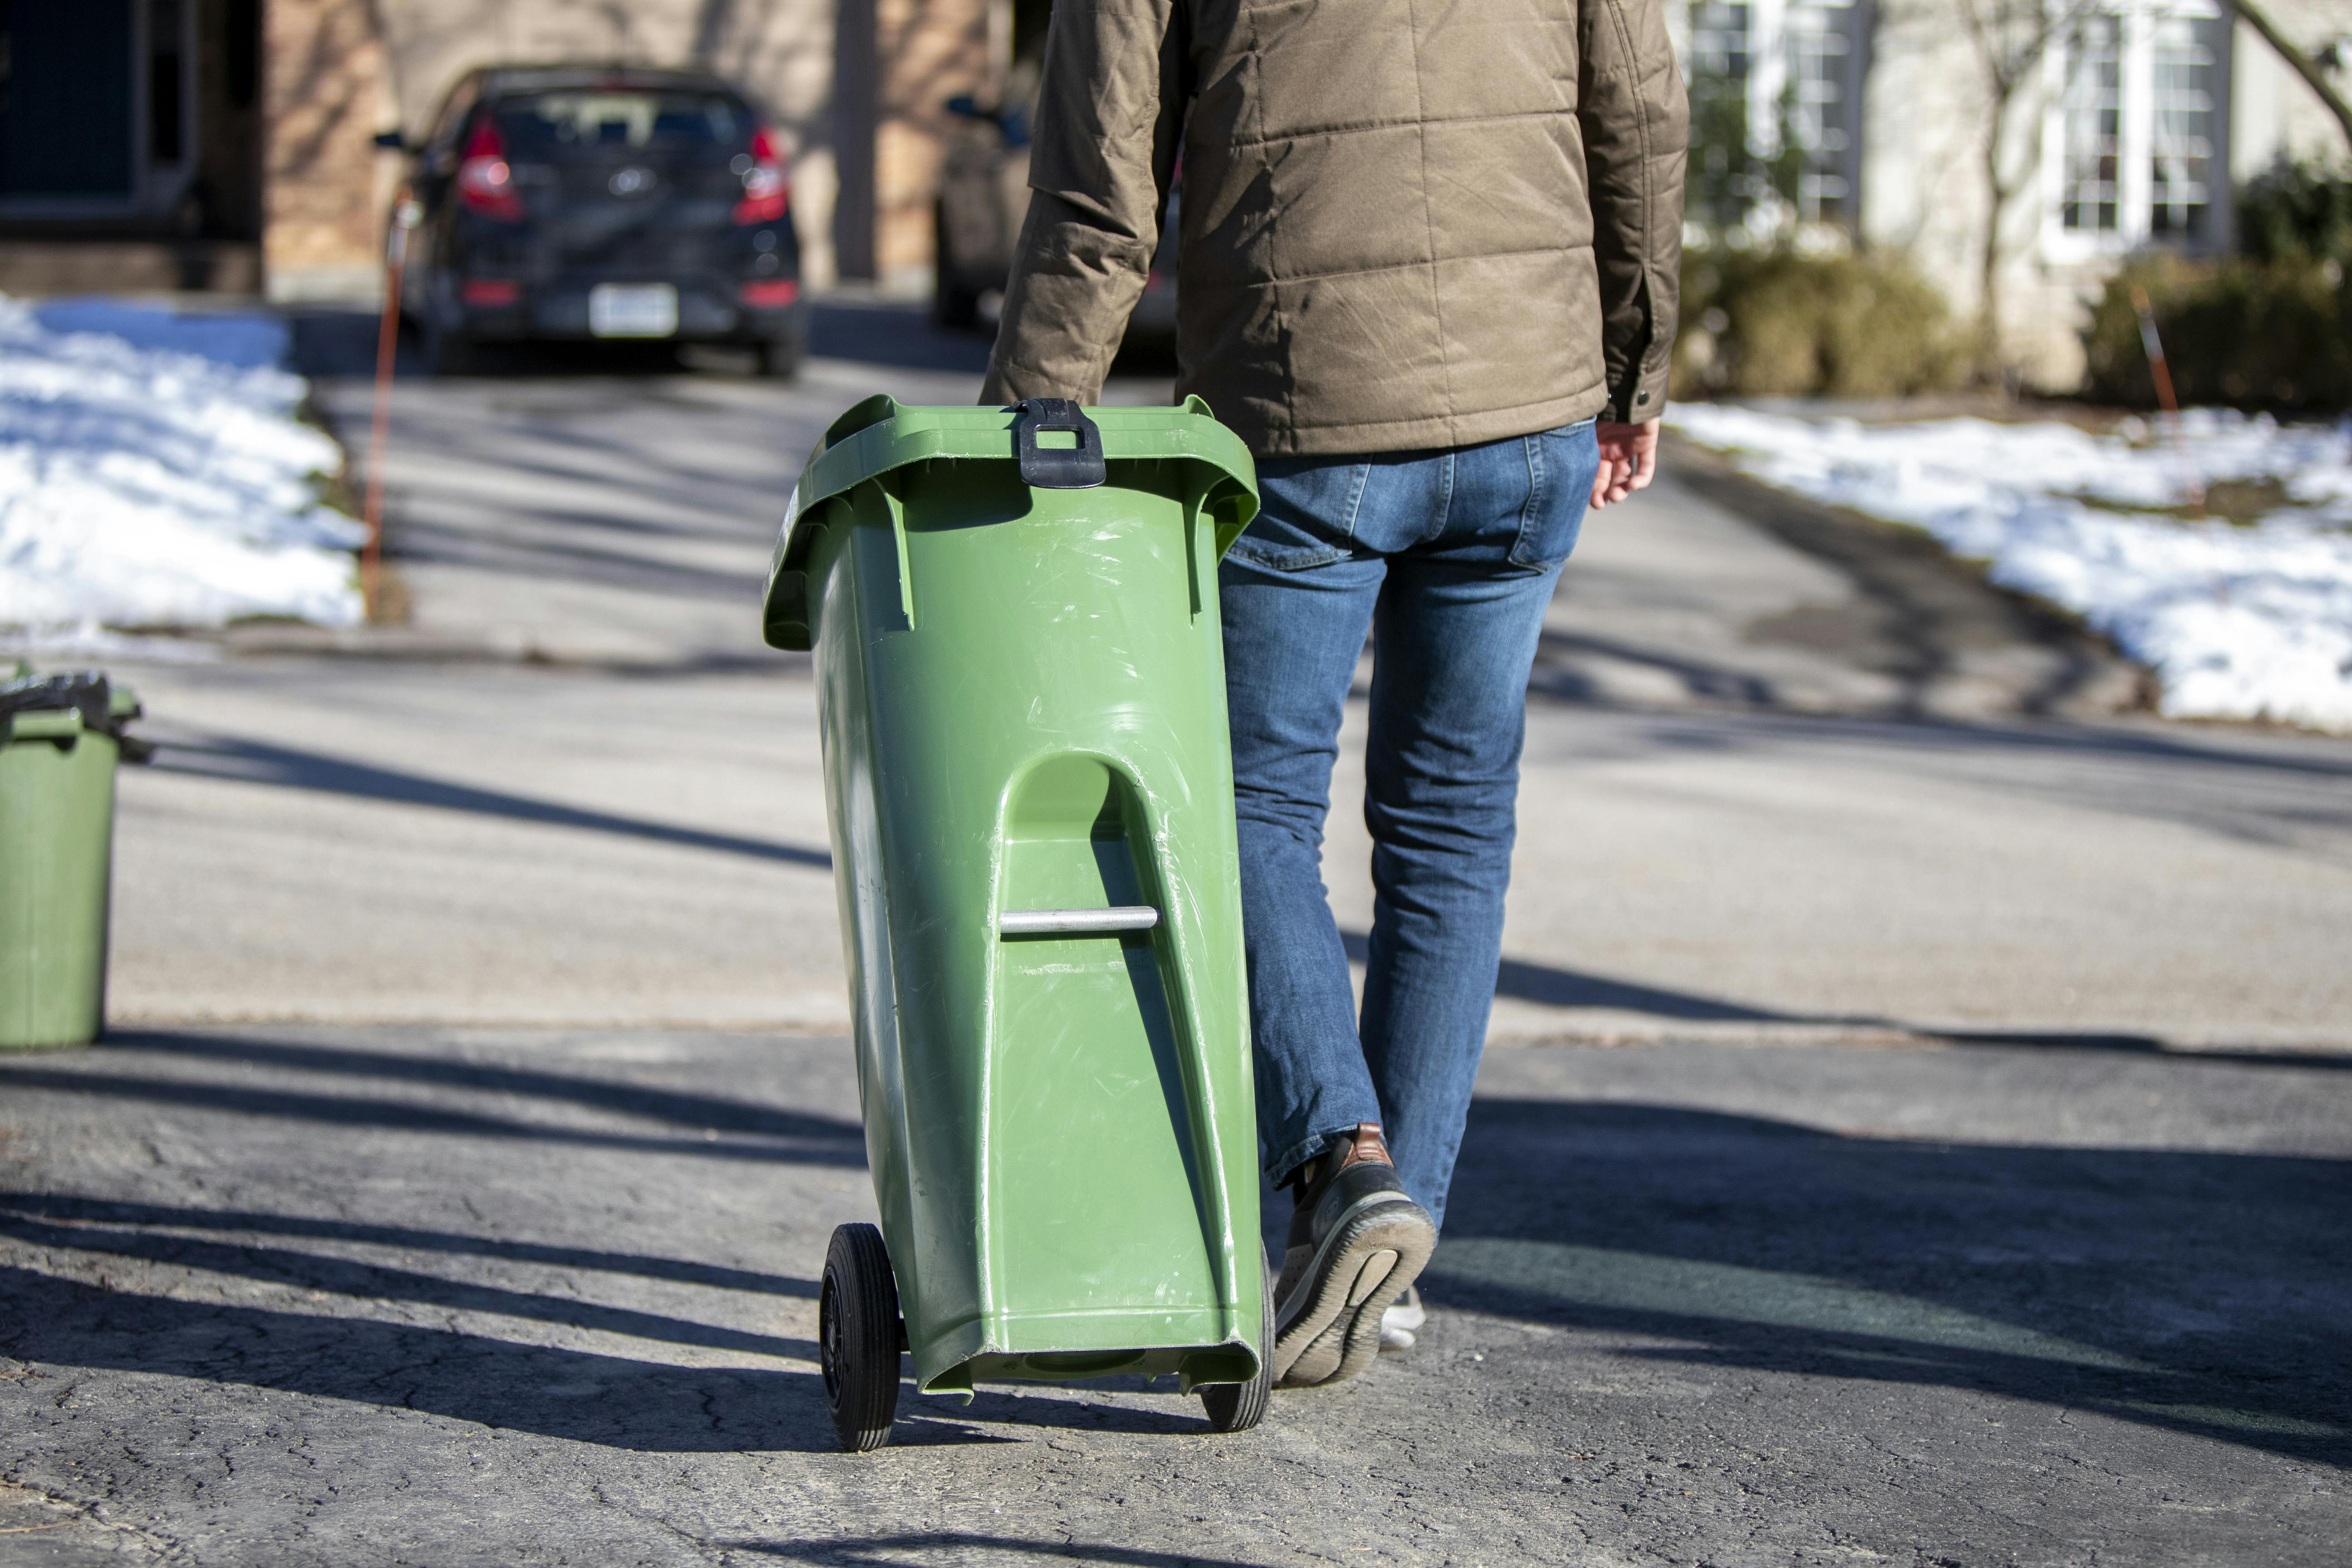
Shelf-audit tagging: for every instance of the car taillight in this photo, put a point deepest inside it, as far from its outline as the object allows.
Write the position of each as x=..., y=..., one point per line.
x=490, y=291
x=766, y=187
x=485, y=182
x=769, y=294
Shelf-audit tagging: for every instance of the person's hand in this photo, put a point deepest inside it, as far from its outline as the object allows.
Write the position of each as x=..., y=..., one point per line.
x=1629, y=457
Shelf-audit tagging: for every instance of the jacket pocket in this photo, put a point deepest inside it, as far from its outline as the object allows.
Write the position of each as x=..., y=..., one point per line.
x=1560, y=467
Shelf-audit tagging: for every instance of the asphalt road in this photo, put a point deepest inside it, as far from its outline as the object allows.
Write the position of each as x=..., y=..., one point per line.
x=307, y=1295
x=575, y=790
x=1917, y=1130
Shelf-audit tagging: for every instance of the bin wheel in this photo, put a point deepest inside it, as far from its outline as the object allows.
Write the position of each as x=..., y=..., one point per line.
x=1238, y=1407
x=857, y=1337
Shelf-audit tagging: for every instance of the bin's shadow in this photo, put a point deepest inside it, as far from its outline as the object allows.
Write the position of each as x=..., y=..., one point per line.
x=549, y=1390
x=357, y=1309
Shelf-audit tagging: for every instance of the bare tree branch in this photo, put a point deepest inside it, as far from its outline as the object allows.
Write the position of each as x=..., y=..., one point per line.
x=2303, y=64
x=2012, y=39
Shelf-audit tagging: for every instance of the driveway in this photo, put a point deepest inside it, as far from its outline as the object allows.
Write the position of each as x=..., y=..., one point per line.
x=1915, y=1128
x=312, y=1295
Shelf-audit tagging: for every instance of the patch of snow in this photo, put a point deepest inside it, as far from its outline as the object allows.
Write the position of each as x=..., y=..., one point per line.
x=2238, y=622
x=91, y=641
x=153, y=473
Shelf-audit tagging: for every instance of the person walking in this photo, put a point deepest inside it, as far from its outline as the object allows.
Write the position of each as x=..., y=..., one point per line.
x=1428, y=273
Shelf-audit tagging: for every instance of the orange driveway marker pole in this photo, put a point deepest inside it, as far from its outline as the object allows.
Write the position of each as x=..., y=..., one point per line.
x=2162, y=372
x=387, y=347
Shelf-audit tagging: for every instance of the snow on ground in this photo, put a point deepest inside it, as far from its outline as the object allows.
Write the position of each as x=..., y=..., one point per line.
x=2238, y=621
x=152, y=473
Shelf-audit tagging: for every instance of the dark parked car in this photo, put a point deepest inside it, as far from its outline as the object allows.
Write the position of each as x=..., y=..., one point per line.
x=984, y=196
x=601, y=202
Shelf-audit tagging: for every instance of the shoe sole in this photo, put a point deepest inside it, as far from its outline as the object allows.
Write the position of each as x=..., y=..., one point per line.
x=1331, y=1323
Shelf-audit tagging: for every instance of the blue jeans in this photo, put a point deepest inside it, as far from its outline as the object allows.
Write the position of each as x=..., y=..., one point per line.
x=1448, y=558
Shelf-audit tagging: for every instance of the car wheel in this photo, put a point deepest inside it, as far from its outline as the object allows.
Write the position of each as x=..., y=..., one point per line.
x=953, y=305
x=780, y=358
x=448, y=350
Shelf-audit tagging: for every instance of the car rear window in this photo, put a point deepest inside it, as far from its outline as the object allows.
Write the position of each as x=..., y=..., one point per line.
x=551, y=123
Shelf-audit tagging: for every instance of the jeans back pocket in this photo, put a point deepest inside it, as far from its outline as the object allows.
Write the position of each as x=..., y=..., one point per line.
x=1307, y=512
x=1561, y=465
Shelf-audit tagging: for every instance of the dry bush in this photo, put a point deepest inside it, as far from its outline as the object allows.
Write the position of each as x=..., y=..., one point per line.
x=1779, y=322
x=2252, y=334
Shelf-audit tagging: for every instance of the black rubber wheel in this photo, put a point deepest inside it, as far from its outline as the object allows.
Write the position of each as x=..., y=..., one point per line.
x=780, y=358
x=952, y=304
x=857, y=1337
x=1238, y=1407
x=448, y=350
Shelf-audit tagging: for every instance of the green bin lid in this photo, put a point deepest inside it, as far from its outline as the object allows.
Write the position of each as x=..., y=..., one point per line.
x=882, y=434
x=102, y=707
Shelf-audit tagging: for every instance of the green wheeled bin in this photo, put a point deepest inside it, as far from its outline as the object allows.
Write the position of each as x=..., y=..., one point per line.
x=1021, y=682
x=59, y=741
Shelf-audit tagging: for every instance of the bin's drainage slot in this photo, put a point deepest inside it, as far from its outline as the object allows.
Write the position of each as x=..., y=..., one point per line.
x=1045, y=923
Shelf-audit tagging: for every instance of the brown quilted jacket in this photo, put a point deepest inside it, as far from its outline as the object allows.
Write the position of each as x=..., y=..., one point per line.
x=1406, y=224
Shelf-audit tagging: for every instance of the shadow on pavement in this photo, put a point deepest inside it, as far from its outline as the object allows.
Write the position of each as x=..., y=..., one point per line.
x=1551, y=986
x=1926, y=611
x=257, y=761
x=875, y=331
x=340, y=341
x=860, y=1551
x=154, y=1067
x=611, y=1401
x=24, y=1220
x=63, y=1208
x=1553, y=682
x=412, y=1116
x=705, y=1112
x=2185, y=1291
x=2196, y=1291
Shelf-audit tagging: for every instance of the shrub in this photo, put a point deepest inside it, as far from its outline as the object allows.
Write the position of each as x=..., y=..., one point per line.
x=2296, y=212
x=2256, y=334
x=1778, y=321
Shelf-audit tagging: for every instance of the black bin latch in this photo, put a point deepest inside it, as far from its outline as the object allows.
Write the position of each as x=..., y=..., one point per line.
x=1078, y=468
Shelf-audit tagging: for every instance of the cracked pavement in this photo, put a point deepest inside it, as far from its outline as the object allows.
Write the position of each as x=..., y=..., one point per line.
x=318, y=1295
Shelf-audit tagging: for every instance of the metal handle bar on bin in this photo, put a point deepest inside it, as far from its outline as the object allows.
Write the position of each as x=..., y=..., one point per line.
x=1078, y=468
x=1076, y=922
x=60, y=725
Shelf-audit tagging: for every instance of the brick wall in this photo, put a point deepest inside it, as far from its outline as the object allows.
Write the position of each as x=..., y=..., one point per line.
x=324, y=97
x=928, y=51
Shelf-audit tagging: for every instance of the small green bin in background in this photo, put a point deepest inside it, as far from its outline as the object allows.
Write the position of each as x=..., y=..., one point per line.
x=59, y=741
x=1021, y=686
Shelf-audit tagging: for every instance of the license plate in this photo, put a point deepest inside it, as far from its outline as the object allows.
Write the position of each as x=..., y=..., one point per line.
x=632, y=309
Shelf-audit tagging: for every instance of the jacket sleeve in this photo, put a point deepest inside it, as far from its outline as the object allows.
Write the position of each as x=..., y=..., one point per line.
x=1110, y=109
x=1636, y=125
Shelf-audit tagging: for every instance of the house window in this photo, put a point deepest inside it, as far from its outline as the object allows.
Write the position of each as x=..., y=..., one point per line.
x=1775, y=96
x=1817, y=102
x=2180, y=130
x=2137, y=122
x=2094, y=111
x=95, y=107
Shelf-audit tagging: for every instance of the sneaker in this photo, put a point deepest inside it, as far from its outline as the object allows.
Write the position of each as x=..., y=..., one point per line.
x=1401, y=1324
x=1357, y=1242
